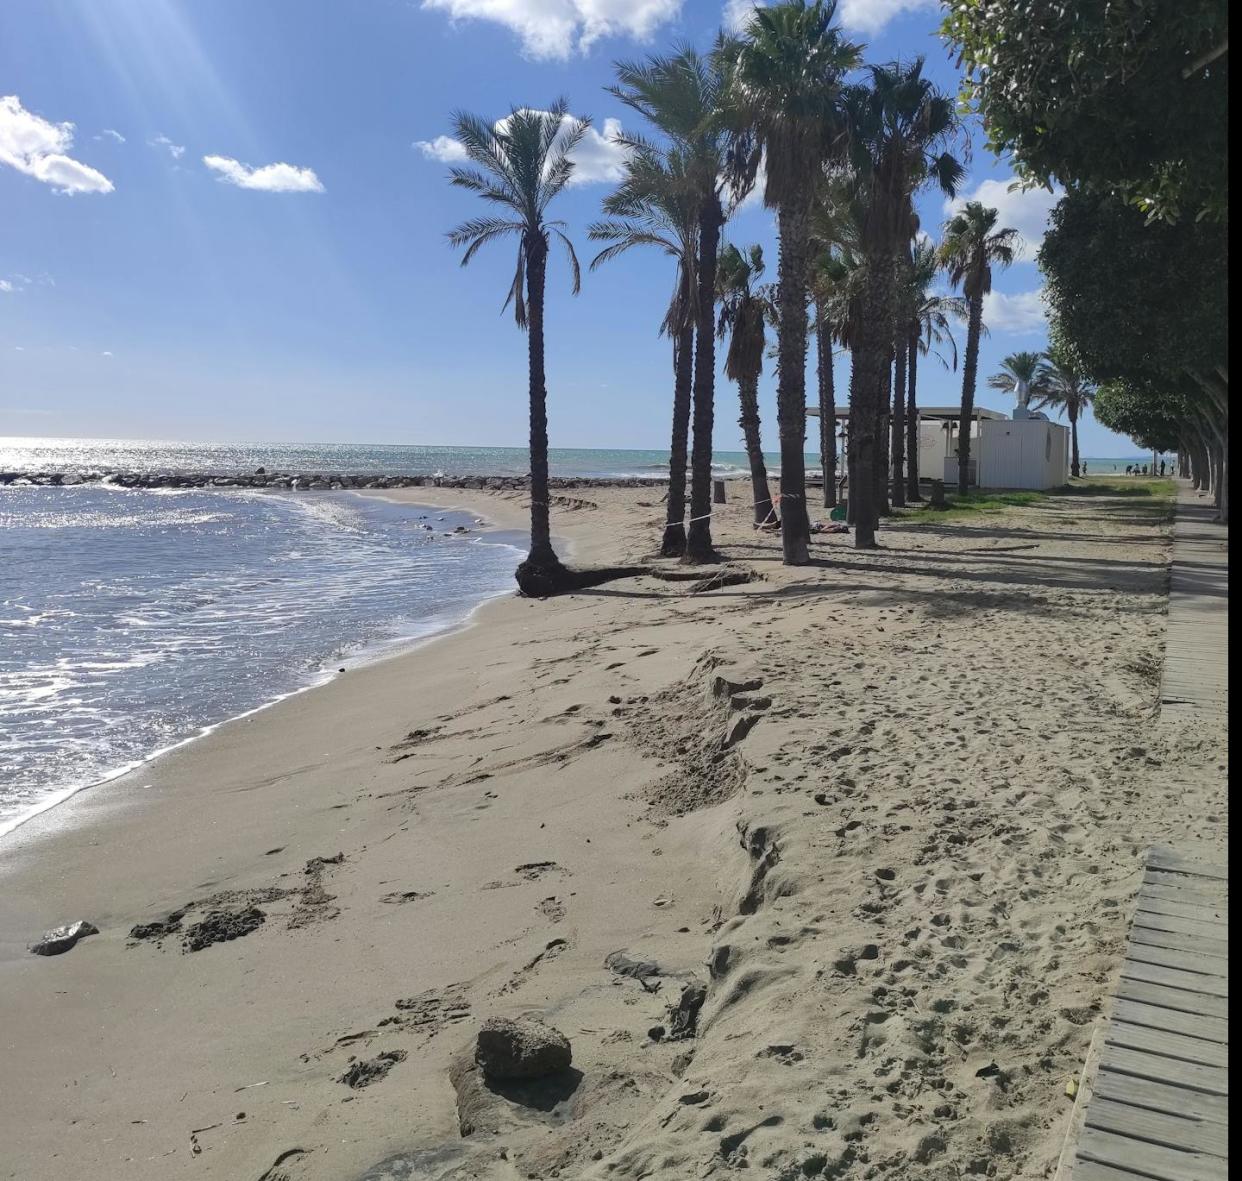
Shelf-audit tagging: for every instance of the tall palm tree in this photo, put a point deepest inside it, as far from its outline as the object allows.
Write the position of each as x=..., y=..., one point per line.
x=902, y=127
x=743, y=311
x=1020, y=374
x=681, y=96
x=522, y=164
x=929, y=325
x=786, y=108
x=834, y=243
x=970, y=246
x=655, y=206
x=1063, y=385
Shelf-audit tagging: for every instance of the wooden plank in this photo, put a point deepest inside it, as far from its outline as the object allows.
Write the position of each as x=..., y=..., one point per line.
x=1209, y=887
x=1173, y=998
x=1175, y=924
x=1188, y=889
x=1184, y=961
x=1191, y=1024
x=1153, y=889
x=1172, y=1100
x=1183, y=910
x=1211, y=1080
x=1157, y=936
x=1089, y=1170
x=1150, y=1160
x=1167, y=859
x=1167, y=1044
x=1172, y=1131
x=1217, y=986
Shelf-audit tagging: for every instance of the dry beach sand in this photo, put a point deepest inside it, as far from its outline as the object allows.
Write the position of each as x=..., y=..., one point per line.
x=889, y=808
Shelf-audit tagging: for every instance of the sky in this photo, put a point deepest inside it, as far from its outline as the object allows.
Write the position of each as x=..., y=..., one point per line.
x=225, y=221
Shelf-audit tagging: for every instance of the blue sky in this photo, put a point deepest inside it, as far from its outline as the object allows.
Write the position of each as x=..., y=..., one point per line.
x=224, y=220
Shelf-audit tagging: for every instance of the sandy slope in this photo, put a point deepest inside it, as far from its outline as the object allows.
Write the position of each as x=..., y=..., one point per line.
x=889, y=806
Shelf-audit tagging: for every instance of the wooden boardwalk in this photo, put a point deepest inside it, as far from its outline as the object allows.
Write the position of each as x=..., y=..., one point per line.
x=1158, y=1107
x=1155, y=1103
x=1195, y=667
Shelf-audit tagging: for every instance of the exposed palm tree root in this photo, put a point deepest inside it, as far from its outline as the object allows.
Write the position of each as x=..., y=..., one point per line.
x=725, y=576
x=544, y=580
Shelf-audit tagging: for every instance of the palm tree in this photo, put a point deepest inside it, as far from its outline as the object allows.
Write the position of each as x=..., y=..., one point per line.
x=902, y=126
x=1063, y=385
x=655, y=206
x=928, y=325
x=1020, y=375
x=521, y=164
x=834, y=242
x=743, y=310
x=681, y=96
x=786, y=108
x=970, y=246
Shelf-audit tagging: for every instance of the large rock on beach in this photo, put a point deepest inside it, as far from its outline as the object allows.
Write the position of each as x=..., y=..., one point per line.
x=61, y=939
x=521, y=1049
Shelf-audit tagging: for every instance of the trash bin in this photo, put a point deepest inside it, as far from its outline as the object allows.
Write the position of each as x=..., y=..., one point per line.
x=718, y=492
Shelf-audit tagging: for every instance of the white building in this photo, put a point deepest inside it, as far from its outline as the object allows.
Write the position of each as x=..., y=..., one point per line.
x=1027, y=452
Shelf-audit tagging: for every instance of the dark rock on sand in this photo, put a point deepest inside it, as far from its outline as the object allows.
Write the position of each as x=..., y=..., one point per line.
x=61, y=939
x=684, y=1015
x=219, y=926
x=522, y=1049
x=366, y=1071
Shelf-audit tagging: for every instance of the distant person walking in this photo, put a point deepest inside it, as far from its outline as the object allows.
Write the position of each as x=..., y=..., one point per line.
x=1129, y=468
x=1162, y=469
x=1084, y=469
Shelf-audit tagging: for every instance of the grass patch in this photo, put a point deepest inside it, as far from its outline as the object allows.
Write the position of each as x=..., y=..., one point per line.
x=981, y=502
x=1157, y=488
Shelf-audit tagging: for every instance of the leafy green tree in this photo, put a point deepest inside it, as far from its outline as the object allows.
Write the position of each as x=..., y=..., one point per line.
x=743, y=312
x=655, y=205
x=521, y=164
x=901, y=127
x=1020, y=374
x=1059, y=383
x=682, y=96
x=1125, y=96
x=786, y=108
x=1146, y=305
x=971, y=246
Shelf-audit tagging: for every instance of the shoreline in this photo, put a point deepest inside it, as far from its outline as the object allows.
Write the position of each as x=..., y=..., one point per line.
x=487, y=820
x=391, y=650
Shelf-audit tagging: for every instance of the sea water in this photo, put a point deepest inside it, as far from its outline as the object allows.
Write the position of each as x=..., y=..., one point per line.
x=132, y=620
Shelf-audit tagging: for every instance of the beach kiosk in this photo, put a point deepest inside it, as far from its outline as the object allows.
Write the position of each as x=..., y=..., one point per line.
x=1023, y=451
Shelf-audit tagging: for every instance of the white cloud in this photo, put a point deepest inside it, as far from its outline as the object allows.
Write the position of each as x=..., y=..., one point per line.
x=597, y=157
x=38, y=148
x=1024, y=210
x=6, y=286
x=555, y=28
x=443, y=148
x=870, y=16
x=106, y=353
x=737, y=13
x=271, y=178
x=1021, y=312
x=176, y=151
x=113, y=135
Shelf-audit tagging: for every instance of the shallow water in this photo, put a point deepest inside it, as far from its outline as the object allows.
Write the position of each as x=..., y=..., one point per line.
x=131, y=620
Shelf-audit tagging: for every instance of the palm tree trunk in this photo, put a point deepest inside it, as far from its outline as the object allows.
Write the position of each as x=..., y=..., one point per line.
x=673, y=544
x=541, y=570
x=899, y=427
x=792, y=222
x=912, y=426
x=748, y=393
x=969, y=370
x=883, y=459
x=699, y=535
x=1074, y=463
x=827, y=411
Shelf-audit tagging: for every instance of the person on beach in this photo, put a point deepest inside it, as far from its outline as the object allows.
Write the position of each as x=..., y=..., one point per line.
x=1084, y=469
